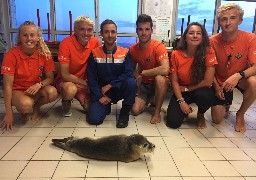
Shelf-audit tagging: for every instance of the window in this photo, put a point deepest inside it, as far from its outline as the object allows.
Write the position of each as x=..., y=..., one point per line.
x=195, y=11
x=124, y=14
x=20, y=12
x=77, y=8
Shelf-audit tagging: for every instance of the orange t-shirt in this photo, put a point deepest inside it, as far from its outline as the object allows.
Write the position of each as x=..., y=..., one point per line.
x=181, y=65
x=242, y=50
x=73, y=53
x=26, y=69
x=148, y=58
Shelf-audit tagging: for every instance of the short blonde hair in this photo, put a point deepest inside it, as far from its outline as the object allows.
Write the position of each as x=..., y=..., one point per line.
x=229, y=6
x=42, y=47
x=84, y=19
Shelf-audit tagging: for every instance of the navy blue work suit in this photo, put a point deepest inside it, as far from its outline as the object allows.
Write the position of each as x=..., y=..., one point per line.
x=113, y=68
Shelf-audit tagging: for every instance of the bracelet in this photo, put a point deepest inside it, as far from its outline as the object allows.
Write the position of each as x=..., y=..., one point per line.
x=181, y=100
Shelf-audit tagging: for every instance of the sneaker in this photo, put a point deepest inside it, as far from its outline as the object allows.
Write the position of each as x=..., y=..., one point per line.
x=65, y=108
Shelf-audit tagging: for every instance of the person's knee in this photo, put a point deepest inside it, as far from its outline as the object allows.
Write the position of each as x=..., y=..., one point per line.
x=218, y=113
x=161, y=81
x=172, y=123
x=252, y=84
x=94, y=118
x=69, y=91
x=135, y=111
x=138, y=107
x=52, y=94
x=96, y=114
x=25, y=105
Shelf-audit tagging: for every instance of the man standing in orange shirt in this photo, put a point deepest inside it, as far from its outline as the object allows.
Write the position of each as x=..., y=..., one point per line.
x=74, y=51
x=236, y=55
x=150, y=58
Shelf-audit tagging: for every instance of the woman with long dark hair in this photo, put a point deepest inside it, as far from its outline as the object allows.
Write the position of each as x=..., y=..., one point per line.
x=192, y=72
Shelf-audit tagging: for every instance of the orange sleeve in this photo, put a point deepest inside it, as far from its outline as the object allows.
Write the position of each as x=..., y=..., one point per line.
x=64, y=51
x=9, y=62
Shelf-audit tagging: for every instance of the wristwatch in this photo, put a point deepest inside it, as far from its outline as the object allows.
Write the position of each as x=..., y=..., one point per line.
x=242, y=74
x=186, y=89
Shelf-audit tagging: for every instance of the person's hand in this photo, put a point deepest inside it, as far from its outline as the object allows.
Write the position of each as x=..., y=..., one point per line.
x=220, y=94
x=32, y=90
x=138, y=79
x=185, y=108
x=231, y=82
x=7, y=123
x=104, y=100
x=105, y=89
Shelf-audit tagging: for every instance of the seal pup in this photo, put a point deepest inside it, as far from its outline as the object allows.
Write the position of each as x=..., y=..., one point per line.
x=111, y=148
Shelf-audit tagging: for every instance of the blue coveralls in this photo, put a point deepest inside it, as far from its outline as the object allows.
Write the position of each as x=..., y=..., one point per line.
x=113, y=68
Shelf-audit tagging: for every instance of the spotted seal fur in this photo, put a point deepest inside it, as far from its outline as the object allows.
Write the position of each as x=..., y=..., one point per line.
x=111, y=148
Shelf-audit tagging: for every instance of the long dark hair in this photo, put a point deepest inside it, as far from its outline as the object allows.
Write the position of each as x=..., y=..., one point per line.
x=198, y=66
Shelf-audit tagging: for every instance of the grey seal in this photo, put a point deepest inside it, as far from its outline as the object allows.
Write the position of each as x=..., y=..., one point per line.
x=111, y=148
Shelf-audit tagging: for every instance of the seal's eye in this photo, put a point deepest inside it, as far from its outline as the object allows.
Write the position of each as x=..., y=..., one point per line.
x=145, y=145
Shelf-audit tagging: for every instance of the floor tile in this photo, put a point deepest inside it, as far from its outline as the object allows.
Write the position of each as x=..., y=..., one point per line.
x=16, y=168
x=208, y=154
x=191, y=168
x=234, y=154
x=220, y=168
x=245, y=168
x=221, y=142
x=102, y=169
x=162, y=169
x=133, y=170
x=71, y=169
x=38, y=169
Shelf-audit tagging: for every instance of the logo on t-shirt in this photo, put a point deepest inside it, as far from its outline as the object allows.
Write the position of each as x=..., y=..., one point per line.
x=238, y=56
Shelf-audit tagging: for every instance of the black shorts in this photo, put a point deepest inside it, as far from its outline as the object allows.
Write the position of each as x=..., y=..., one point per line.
x=228, y=98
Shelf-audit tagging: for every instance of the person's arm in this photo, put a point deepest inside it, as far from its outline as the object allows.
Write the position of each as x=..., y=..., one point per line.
x=233, y=80
x=64, y=59
x=92, y=77
x=207, y=81
x=218, y=89
x=186, y=109
x=162, y=69
x=7, y=122
x=66, y=76
x=49, y=78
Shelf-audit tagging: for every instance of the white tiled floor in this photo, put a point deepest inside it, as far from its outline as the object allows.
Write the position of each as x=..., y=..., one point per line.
x=188, y=153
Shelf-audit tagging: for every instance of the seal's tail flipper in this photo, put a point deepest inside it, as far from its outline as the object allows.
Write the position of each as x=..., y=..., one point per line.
x=63, y=143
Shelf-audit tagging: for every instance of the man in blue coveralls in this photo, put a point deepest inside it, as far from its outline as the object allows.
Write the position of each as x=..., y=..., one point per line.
x=110, y=78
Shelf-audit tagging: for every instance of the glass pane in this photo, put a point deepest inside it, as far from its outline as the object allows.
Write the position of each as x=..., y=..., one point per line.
x=60, y=37
x=126, y=41
x=77, y=8
x=122, y=12
x=197, y=11
x=20, y=12
x=249, y=12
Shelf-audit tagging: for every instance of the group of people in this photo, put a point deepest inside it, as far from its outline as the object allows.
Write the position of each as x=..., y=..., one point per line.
x=202, y=70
